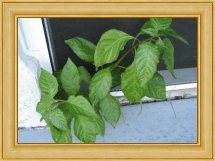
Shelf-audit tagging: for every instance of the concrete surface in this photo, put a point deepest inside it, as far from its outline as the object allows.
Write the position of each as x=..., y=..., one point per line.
x=158, y=122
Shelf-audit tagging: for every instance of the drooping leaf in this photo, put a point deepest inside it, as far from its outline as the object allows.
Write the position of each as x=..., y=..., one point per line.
x=81, y=106
x=147, y=28
x=156, y=87
x=130, y=84
x=47, y=83
x=100, y=124
x=110, y=109
x=168, y=54
x=146, y=60
x=85, y=79
x=100, y=85
x=57, y=119
x=109, y=46
x=60, y=136
x=160, y=23
x=83, y=48
x=86, y=129
x=70, y=78
x=171, y=32
x=46, y=103
x=149, y=31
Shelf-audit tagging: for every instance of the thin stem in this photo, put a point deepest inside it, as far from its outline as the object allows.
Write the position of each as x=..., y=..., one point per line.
x=136, y=38
x=121, y=67
x=132, y=47
x=119, y=61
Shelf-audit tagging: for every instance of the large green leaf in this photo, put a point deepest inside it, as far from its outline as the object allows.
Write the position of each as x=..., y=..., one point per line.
x=83, y=48
x=46, y=103
x=110, y=109
x=81, y=106
x=60, y=136
x=100, y=85
x=109, y=46
x=171, y=32
x=168, y=54
x=86, y=129
x=160, y=23
x=70, y=78
x=48, y=83
x=130, y=84
x=57, y=119
x=156, y=87
x=146, y=60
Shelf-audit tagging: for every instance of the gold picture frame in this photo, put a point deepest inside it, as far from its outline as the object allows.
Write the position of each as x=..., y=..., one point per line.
x=203, y=10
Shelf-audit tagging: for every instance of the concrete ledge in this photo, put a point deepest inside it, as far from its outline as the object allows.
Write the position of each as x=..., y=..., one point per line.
x=172, y=121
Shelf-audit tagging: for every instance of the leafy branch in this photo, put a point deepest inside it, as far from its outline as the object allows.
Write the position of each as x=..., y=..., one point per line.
x=73, y=99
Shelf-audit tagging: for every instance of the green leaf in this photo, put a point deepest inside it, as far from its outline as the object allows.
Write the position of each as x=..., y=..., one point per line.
x=147, y=28
x=86, y=129
x=109, y=46
x=70, y=78
x=48, y=83
x=130, y=84
x=65, y=107
x=46, y=103
x=83, y=48
x=57, y=119
x=146, y=60
x=168, y=54
x=156, y=87
x=81, y=106
x=60, y=136
x=147, y=24
x=110, y=109
x=99, y=124
x=100, y=85
x=160, y=23
x=150, y=31
x=171, y=32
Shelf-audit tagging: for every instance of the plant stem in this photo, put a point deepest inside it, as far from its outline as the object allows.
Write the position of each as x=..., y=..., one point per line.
x=119, y=61
x=136, y=38
x=121, y=67
x=132, y=47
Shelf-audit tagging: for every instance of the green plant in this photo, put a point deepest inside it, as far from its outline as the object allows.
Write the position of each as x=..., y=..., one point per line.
x=72, y=98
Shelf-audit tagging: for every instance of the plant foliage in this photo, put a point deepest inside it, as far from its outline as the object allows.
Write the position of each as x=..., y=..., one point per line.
x=74, y=101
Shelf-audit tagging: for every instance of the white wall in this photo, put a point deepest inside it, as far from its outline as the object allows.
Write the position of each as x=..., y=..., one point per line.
x=33, y=54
